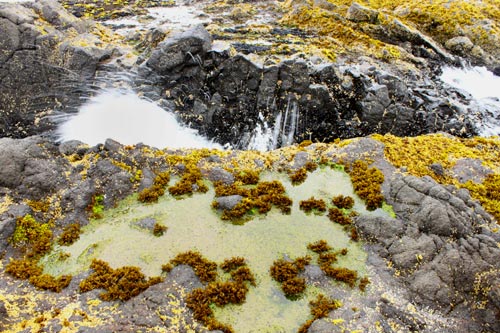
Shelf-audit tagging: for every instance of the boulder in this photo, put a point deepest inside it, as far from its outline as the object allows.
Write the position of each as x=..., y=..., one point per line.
x=460, y=45
x=228, y=202
x=27, y=169
x=359, y=13
x=219, y=175
x=184, y=49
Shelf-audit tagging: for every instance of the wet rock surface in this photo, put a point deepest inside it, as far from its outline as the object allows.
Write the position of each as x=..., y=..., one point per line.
x=226, y=96
x=43, y=67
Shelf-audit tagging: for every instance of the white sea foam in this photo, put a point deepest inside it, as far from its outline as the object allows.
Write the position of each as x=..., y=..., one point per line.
x=176, y=18
x=125, y=117
x=484, y=89
x=477, y=81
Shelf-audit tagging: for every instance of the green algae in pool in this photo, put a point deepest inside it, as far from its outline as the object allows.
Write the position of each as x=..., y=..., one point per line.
x=192, y=224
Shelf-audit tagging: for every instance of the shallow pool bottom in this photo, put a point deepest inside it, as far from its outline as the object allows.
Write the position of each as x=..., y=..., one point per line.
x=193, y=225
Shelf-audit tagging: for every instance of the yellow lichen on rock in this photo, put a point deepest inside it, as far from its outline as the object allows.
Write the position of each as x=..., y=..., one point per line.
x=444, y=19
x=336, y=34
x=441, y=20
x=416, y=154
x=5, y=204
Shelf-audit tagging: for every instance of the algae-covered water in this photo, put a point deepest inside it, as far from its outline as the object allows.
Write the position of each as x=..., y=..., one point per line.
x=193, y=225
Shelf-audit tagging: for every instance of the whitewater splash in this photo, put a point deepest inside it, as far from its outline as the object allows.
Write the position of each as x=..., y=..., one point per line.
x=123, y=116
x=281, y=134
x=484, y=89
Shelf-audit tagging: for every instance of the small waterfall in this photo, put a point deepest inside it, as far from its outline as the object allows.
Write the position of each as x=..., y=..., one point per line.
x=282, y=132
x=290, y=123
x=276, y=130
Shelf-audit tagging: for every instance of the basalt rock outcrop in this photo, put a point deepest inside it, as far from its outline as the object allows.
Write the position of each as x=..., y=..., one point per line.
x=226, y=97
x=47, y=59
x=50, y=58
x=440, y=246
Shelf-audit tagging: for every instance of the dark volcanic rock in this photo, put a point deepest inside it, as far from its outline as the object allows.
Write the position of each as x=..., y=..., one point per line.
x=227, y=97
x=440, y=248
x=178, y=53
x=27, y=169
x=40, y=67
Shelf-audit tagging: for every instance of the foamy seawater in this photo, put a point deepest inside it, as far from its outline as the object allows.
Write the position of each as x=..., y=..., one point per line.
x=477, y=81
x=125, y=117
x=484, y=89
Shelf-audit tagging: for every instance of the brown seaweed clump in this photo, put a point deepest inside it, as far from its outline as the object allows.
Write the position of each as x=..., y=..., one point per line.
x=311, y=204
x=232, y=263
x=23, y=268
x=205, y=270
x=70, y=234
x=287, y=272
x=363, y=283
x=120, y=284
x=190, y=182
x=319, y=246
x=367, y=184
x=27, y=269
x=337, y=216
x=320, y=308
x=343, y=202
x=221, y=293
x=327, y=258
x=159, y=229
x=259, y=199
x=48, y=282
x=247, y=177
x=238, y=269
x=341, y=274
x=151, y=194
x=300, y=175
x=243, y=274
x=354, y=234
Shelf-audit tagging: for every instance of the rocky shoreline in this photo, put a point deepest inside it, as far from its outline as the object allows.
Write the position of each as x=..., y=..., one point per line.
x=433, y=262
x=224, y=94
x=432, y=267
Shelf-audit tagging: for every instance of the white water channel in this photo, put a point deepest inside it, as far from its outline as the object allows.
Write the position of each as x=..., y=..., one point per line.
x=125, y=117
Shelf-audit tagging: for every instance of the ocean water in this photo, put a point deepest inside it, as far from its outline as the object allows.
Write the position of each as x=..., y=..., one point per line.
x=483, y=88
x=120, y=114
x=179, y=17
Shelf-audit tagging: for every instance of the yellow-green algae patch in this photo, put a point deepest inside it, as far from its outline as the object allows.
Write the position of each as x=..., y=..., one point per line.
x=193, y=225
x=441, y=19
